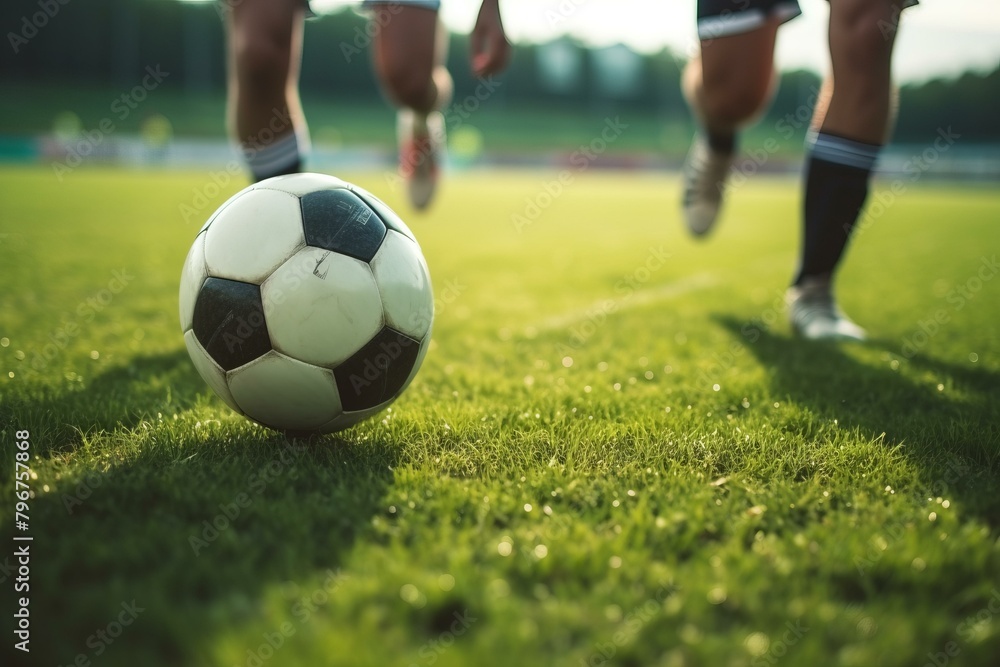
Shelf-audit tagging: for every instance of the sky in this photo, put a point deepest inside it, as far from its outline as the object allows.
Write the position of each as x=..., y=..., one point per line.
x=937, y=38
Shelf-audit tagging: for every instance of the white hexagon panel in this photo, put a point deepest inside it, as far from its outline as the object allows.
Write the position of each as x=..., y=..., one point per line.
x=405, y=285
x=285, y=394
x=321, y=307
x=253, y=235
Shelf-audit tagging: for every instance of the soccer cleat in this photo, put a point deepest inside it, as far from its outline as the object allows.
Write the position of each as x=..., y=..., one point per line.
x=705, y=173
x=421, y=147
x=814, y=315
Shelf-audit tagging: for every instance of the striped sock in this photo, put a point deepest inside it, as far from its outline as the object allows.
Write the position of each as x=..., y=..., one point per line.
x=837, y=174
x=283, y=155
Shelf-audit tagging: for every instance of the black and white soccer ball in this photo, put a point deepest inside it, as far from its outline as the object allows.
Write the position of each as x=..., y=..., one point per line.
x=306, y=303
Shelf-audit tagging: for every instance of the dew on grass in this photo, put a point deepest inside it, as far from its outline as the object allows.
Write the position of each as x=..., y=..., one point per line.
x=446, y=582
x=567, y=362
x=527, y=507
x=894, y=364
x=745, y=403
x=918, y=564
x=716, y=387
x=648, y=375
x=4, y=342
x=643, y=361
x=777, y=405
x=529, y=380
x=668, y=408
x=409, y=593
x=660, y=522
x=757, y=643
x=616, y=503
x=95, y=355
x=973, y=357
x=668, y=369
x=631, y=493
x=717, y=595
x=940, y=387
x=615, y=562
x=10, y=374
x=541, y=551
x=946, y=504
x=618, y=386
x=505, y=547
x=602, y=366
x=632, y=380
x=932, y=516
x=587, y=389
x=19, y=355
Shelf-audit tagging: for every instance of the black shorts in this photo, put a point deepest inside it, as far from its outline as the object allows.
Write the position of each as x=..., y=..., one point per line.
x=721, y=18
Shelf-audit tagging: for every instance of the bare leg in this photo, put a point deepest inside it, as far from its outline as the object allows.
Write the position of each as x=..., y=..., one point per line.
x=732, y=81
x=264, y=53
x=409, y=52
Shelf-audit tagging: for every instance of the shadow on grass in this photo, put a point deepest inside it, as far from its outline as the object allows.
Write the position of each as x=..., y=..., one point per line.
x=951, y=433
x=200, y=536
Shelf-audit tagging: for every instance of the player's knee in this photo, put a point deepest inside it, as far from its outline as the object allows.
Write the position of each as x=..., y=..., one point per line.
x=407, y=84
x=734, y=104
x=869, y=27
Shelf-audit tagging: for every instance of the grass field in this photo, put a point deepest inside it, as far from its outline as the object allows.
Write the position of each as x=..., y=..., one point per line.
x=615, y=453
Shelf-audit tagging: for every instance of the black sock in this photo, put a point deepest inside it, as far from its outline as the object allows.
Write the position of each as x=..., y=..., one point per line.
x=836, y=186
x=721, y=143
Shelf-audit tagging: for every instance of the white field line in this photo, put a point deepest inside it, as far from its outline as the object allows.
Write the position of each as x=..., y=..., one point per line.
x=666, y=292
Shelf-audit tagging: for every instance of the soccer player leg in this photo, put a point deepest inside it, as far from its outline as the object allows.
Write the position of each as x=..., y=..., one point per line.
x=409, y=50
x=848, y=131
x=264, y=47
x=727, y=87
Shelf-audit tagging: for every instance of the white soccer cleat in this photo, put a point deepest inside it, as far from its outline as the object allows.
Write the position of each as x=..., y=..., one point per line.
x=815, y=316
x=705, y=174
x=421, y=150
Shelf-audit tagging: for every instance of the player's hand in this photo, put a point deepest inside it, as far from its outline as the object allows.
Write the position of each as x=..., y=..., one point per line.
x=489, y=46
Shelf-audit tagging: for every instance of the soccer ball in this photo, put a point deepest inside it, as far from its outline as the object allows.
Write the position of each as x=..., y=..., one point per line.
x=306, y=303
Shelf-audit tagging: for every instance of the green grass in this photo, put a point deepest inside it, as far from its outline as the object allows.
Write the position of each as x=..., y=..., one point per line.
x=608, y=457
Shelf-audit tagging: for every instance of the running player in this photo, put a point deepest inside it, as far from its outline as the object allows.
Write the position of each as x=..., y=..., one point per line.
x=732, y=83
x=264, y=53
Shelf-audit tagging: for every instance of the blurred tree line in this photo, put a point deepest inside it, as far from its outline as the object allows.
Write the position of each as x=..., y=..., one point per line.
x=109, y=43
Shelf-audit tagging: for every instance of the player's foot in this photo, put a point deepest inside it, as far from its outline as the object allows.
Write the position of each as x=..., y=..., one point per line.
x=705, y=173
x=421, y=145
x=815, y=316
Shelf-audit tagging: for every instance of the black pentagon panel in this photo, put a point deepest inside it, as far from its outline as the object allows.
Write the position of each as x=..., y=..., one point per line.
x=376, y=372
x=229, y=322
x=388, y=216
x=340, y=221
